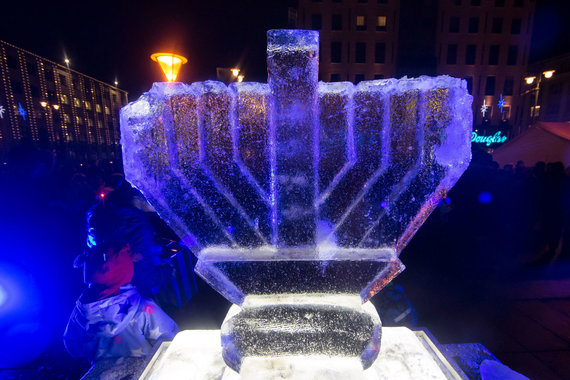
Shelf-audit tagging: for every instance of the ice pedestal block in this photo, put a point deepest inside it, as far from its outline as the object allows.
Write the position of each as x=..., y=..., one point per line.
x=297, y=186
x=293, y=325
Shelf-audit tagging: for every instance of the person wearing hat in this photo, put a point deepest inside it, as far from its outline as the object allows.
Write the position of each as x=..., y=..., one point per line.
x=111, y=319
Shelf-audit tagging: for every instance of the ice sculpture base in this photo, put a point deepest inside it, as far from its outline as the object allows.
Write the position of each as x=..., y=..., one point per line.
x=289, y=325
x=197, y=355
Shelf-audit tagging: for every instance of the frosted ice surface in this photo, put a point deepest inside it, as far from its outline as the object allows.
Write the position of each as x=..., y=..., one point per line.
x=315, y=176
x=316, y=324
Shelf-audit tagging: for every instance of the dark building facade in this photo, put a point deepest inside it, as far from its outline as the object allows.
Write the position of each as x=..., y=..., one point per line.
x=57, y=108
x=551, y=96
x=358, y=38
x=486, y=42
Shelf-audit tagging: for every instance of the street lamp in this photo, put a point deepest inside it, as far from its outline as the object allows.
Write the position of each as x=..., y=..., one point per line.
x=530, y=80
x=170, y=64
x=66, y=62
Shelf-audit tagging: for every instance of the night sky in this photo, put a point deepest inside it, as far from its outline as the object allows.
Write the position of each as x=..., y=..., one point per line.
x=109, y=40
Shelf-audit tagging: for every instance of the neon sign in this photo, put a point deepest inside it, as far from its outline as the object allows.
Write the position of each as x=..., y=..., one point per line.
x=488, y=140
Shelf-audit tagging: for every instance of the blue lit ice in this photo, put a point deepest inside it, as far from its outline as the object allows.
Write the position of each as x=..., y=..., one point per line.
x=297, y=186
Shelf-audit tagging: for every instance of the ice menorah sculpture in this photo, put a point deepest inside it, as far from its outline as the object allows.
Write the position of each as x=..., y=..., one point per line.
x=299, y=195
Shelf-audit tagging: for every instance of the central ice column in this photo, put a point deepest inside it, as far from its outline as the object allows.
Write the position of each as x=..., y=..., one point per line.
x=293, y=65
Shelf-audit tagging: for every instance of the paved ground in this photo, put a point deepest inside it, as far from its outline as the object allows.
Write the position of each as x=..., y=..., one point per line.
x=524, y=320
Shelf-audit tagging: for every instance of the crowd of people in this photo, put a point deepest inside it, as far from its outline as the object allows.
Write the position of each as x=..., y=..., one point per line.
x=495, y=222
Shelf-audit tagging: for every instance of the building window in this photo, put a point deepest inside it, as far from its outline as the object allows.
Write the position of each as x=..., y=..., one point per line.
x=335, y=77
x=497, y=26
x=32, y=70
x=470, y=54
x=490, y=86
x=78, y=120
x=89, y=122
x=469, y=81
x=49, y=74
x=381, y=23
x=519, y=3
x=35, y=91
x=512, y=56
x=473, y=24
x=17, y=87
x=360, y=23
x=378, y=76
x=499, y=3
x=107, y=111
x=336, y=22
x=380, y=52
x=358, y=78
x=316, y=21
x=508, y=88
x=451, y=54
x=87, y=105
x=98, y=107
x=476, y=3
x=516, y=26
x=336, y=52
x=66, y=118
x=64, y=99
x=454, y=25
x=76, y=102
x=360, y=52
x=12, y=62
x=494, y=55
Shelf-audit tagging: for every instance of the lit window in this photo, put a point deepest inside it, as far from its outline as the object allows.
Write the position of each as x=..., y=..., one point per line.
x=90, y=122
x=78, y=120
x=360, y=23
x=64, y=99
x=88, y=105
x=381, y=23
x=506, y=113
x=76, y=102
x=107, y=111
x=98, y=107
x=66, y=118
